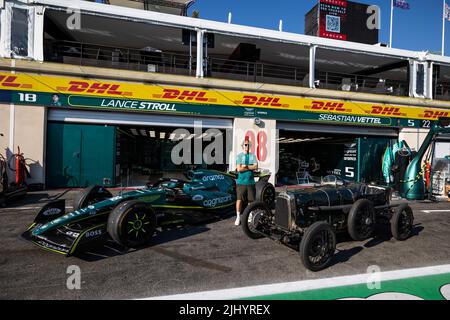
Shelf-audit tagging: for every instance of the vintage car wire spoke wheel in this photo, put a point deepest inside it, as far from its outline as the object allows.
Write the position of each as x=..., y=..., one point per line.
x=253, y=216
x=265, y=192
x=361, y=220
x=402, y=222
x=317, y=246
x=268, y=195
x=256, y=211
x=132, y=223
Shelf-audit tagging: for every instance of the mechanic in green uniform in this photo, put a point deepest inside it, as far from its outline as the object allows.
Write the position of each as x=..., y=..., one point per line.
x=246, y=163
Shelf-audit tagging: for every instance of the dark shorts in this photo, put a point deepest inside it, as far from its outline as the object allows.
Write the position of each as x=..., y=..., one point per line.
x=245, y=192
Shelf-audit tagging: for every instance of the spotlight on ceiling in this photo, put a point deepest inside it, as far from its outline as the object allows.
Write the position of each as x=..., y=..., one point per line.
x=134, y=131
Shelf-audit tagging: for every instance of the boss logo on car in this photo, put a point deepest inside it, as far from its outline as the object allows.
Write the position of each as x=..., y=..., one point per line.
x=216, y=201
x=94, y=233
x=213, y=178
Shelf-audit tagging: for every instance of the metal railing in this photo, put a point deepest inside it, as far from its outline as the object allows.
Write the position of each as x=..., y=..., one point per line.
x=175, y=63
x=358, y=83
x=441, y=91
x=87, y=54
x=256, y=72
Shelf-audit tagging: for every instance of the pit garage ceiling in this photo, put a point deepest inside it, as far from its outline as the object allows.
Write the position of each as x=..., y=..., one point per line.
x=131, y=34
x=336, y=129
x=135, y=119
x=177, y=7
x=123, y=33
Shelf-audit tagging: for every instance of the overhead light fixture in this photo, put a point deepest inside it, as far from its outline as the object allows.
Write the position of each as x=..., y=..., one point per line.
x=134, y=131
x=152, y=134
x=162, y=135
x=201, y=136
x=143, y=132
x=208, y=135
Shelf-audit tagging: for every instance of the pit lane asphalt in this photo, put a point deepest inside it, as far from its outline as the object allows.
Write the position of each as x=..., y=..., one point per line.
x=211, y=256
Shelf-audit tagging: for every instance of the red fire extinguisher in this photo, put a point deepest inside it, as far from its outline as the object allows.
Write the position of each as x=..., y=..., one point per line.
x=427, y=174
x=20, y=168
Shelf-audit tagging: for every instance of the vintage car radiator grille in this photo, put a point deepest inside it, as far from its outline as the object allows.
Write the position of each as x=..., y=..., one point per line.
x=283, y=211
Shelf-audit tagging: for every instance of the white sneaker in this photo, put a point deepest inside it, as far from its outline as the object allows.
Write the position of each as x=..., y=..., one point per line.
x=237, y=221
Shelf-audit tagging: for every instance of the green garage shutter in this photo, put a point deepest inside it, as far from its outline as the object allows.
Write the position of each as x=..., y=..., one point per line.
x=79, y=155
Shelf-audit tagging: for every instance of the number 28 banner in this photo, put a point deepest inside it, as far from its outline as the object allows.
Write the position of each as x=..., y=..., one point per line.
x=262, y=135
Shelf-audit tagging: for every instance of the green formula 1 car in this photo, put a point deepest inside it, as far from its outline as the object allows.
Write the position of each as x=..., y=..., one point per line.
x=132, y=218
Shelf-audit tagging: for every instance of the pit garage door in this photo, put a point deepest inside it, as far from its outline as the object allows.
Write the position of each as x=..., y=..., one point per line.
x=335, y=129
x=311, y=151
x=121, y=148
x=135, y=119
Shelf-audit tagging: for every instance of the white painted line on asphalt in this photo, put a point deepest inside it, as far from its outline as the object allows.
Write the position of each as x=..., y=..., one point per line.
x=304, y=285
x=434, y=211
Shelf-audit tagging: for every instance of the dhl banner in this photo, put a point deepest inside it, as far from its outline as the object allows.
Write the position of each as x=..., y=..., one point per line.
x=35, y=89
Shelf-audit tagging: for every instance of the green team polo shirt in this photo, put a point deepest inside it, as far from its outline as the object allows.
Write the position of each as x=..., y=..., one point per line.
x=246, y=177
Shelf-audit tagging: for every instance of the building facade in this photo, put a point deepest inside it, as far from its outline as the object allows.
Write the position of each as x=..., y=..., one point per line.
x=95, y=93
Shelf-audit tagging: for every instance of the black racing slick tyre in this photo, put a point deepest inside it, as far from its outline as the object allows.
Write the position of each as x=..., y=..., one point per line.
x=317, y=246
x=265, y=192
x=252, y=216
x=132, y=224
x=361, y=223
x=91, y=195
x=402, y=222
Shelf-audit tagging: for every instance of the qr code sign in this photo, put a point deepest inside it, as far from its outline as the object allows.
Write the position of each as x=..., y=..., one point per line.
x=333, y=24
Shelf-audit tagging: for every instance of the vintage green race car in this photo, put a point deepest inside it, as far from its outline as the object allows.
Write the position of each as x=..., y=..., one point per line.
x=132, y=218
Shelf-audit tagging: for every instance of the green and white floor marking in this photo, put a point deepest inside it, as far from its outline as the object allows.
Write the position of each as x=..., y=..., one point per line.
x=429, y=283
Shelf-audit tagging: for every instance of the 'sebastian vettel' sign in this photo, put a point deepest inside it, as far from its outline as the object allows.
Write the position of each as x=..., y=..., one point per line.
x=80, y=93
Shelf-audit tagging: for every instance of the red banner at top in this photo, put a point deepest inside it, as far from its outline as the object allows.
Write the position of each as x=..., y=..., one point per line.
x=340, y=3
